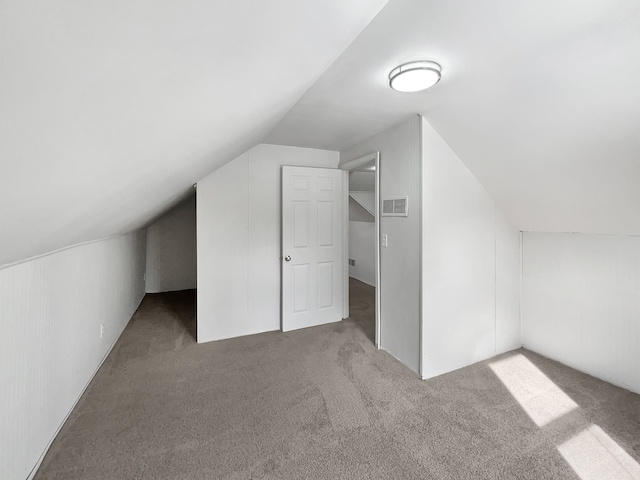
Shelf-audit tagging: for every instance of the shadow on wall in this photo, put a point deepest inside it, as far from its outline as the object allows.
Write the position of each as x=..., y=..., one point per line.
x=171, y=250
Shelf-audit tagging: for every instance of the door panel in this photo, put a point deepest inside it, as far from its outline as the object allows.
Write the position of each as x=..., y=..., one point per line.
x=300, y=224
x=301, y=288
x=325, y=224
x=325, y=285
x=312, y=239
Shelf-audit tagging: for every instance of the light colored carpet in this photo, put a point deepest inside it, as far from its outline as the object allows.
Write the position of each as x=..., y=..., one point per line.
x=323, y=403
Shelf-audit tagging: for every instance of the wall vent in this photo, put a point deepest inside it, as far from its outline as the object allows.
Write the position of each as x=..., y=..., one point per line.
x=395, y=207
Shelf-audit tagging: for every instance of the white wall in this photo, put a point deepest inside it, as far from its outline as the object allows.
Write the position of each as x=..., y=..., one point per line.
x=508, y=321
x=362, y=241
x=400, y=175
x=357, y=213
x=51, y=309
x=367, y=200
x=239, y=240
x=471, y=274
x=362, y=248
x=171, y=250
x=581, y=302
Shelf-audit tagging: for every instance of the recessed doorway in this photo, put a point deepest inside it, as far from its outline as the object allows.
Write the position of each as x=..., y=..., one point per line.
x=361, y=246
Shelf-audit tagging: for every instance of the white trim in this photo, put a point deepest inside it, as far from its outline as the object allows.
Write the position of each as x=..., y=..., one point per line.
x=350, y=165
x=62, y=249
x=521, y=280
x=421, y=329
x=377, y=228
x=495, y=280
x=345, y=244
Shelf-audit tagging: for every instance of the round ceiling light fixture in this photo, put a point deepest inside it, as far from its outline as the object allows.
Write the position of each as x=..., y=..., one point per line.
x=415, y=76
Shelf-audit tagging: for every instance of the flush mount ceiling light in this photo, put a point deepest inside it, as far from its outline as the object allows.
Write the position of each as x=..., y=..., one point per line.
x=415, y=76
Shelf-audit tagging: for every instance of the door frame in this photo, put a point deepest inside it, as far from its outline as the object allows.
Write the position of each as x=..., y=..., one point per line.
x=347, y=166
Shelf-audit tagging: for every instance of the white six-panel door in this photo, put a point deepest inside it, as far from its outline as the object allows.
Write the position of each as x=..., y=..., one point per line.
x=312, y=202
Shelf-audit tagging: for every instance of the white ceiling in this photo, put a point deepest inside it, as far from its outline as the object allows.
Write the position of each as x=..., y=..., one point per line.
x=111, y=110
x=540, y=99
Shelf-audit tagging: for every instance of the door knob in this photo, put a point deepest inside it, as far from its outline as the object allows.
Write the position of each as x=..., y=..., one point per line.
x=287, y=258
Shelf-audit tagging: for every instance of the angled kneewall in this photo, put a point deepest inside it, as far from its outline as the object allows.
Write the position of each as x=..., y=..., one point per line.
x=470, y=266
x=60, y=315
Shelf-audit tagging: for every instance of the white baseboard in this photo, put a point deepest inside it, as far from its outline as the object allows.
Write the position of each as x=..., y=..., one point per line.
x=35, y=468
x=450, y=368
x=604, y=378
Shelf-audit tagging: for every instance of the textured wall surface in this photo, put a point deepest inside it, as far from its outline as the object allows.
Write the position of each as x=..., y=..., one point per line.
x=581, y=302
x=171, y=250
x=239, y=240
x=51, y=312
x=400, y=175
x=471, y=273
x=357, y=213
x=362, y=249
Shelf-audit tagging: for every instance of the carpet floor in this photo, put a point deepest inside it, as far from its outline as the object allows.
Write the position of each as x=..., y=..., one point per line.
x=324, y=403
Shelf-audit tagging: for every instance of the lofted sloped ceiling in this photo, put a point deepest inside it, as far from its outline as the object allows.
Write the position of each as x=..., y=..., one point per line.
x=111, y=110
x=540, y=99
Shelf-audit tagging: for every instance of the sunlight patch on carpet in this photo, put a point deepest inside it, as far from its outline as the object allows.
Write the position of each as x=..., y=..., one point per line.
x=594, y=455
x=542, y=399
